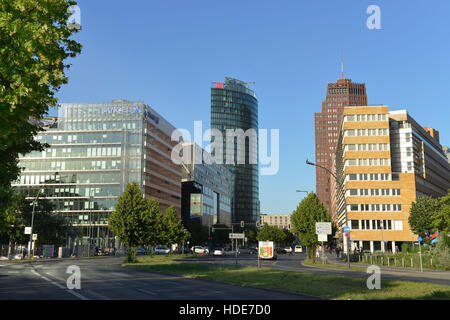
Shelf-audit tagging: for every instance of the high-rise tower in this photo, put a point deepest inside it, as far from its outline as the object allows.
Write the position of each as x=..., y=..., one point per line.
x=327, y=123
x=235, y=106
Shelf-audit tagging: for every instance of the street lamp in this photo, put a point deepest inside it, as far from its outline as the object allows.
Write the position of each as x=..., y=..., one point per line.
x=341, y=189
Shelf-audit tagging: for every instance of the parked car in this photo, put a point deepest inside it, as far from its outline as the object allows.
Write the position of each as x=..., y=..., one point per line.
x=280, y=250
x=199, y=250
x=141, y=251
x=162, y=250
x=288, y=249
x=247, y=250
x=219, y=252
x=298, y=249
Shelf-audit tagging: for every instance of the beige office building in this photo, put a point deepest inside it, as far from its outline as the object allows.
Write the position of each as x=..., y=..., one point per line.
x=384, y=160
x=279, y=220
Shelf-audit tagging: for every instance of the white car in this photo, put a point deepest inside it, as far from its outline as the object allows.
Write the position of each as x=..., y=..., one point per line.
x=198, y=250
x=298, y=249
x=162, y=250
x=288, y=249
x=219, y=252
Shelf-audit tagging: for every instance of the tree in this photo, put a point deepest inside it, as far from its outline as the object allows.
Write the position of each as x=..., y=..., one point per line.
x=173, y=229
x=250, y=233
x=441, y=220
x=135, y=219
x=271, y=233
x=422, y=213
x=304, y=218
x=199, y=233
x=51, y=227
x=34, y=42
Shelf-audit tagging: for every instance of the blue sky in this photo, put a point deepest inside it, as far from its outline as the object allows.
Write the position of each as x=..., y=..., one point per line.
x=167, y=53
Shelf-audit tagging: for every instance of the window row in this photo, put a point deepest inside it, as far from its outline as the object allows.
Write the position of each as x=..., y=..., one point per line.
x=373, y=192
x=375, y=207
x=396, y=225
x=372, y=177
x=366, y=117
x=368, y=162
x=366, y=132
x=367, y=147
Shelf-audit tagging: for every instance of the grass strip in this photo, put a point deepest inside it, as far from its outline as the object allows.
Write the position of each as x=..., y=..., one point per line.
x=332, y=287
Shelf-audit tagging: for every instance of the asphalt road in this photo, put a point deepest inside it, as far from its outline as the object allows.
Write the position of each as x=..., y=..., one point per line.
x=106, y=279
x=293, y=263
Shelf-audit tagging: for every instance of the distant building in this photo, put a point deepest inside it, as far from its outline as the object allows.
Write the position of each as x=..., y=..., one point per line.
x=234, y=106
x=342, y=93
x=278, y=220
x=385, y=160
x=206, y=189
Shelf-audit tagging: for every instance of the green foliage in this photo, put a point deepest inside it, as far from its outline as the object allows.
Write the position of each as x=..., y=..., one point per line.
x=34, y=42
x=251, y=234
x=52, y=228
x=273, y=233
x=173, y=230
x=440, y=252
x=198, y=232
x=135, y=218
x=441, y=220
x=422, y=213
x=304, y=218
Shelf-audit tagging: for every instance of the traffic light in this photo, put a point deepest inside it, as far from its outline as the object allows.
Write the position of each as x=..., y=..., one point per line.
x=242, y=223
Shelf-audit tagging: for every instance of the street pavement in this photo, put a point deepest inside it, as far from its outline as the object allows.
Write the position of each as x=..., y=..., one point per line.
x=106, y=279
x=294, y=263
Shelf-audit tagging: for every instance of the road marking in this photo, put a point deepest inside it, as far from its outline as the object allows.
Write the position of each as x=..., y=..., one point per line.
x=13, y=271
x=72, y=292
x=145, y=291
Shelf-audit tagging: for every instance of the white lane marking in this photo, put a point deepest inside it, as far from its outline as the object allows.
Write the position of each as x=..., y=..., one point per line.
x=13, y=272
x=72, y=292
x=145, y=291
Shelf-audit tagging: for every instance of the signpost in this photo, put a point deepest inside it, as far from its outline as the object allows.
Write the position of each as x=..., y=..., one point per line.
x=27, y=230
x=34, y=240
x=323, y=229
x=236, y=236
x=420, y=252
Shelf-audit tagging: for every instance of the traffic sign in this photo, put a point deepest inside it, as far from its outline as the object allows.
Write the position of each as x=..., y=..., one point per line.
x=34, y=236
x=237, y=235
x=346, y=229
x=419, y=239
x=27, y=230
x=322, y=237
x=323, y=227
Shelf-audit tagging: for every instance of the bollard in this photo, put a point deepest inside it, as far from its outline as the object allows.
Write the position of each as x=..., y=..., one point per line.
x=359, y=258
x=382, y=260
x=431, y=262
x=412, y=262
x=403, y=262
x=388, y=261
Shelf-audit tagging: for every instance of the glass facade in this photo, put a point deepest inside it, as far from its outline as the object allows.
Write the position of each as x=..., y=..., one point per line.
x=96, y=149
x=235, y=106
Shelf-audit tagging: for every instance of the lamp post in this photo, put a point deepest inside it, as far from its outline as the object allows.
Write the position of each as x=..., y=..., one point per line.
x=341, y=189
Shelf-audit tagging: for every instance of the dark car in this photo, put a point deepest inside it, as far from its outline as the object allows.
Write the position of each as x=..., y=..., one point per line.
x=279, y=250
x=247, y=250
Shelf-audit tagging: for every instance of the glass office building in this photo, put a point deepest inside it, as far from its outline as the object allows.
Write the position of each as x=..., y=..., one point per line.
x=235, y=106
x=96, y=149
